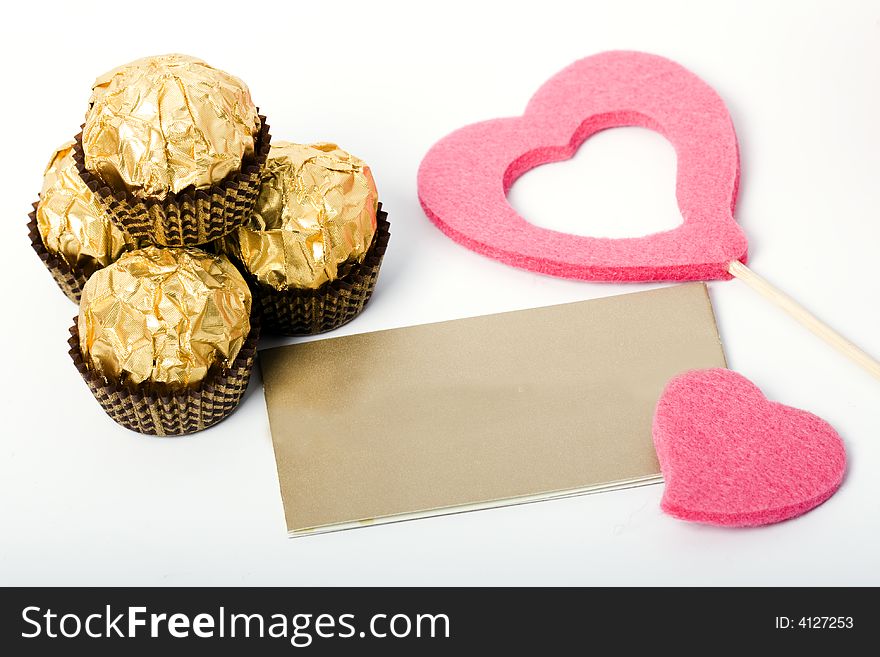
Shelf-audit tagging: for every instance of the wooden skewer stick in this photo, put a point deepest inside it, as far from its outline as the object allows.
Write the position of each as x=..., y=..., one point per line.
x=801, y=314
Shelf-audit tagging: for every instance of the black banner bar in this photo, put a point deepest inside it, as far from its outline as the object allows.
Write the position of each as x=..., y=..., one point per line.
x=430, y=621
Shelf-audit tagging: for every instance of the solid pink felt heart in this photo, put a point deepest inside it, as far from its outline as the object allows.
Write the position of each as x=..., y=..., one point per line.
x=730, y=456
x=464, y=178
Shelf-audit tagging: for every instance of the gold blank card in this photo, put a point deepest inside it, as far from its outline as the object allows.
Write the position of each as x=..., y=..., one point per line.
x=480, y=412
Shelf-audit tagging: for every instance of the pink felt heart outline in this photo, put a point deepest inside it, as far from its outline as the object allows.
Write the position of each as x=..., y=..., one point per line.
x=732, y=457
x=464, y=178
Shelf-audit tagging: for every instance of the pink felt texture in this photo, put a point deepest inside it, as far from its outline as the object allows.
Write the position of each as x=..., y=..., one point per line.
x=731, y=457
x=464, y=178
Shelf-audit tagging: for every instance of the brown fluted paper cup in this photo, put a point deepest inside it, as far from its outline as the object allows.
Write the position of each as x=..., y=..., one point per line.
x=149, y=410
x=306, y=312
x=191, y=217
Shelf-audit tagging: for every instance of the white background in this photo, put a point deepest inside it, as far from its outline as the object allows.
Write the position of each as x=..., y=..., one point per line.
x=83, y=501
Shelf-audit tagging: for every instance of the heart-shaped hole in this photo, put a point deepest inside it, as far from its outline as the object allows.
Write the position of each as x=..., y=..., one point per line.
x=620, y=183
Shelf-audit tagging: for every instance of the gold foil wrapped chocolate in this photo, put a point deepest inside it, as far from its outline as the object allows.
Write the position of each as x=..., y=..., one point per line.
x=164, y=316
x=70, y=221
x=161, y=124
x=316, y=210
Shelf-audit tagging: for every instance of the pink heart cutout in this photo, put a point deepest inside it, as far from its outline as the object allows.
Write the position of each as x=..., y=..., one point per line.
x=464, y=178
x=731, y=457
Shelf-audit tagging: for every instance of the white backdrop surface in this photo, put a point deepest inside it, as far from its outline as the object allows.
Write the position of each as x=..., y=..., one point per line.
x=83, y=501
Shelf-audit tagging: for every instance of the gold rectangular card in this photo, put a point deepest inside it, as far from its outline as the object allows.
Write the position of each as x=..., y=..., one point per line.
x=480, y=412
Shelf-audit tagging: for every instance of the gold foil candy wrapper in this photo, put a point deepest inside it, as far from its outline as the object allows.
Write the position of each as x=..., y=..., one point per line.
x=311, y=311
x=316, y=211
x=71, y=222
x=164, y=316
x=162, y=124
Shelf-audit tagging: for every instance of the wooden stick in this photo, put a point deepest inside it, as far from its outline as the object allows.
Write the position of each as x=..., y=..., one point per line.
x=801, y=314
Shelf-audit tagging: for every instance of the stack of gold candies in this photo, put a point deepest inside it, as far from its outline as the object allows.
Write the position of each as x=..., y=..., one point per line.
x=182, y=233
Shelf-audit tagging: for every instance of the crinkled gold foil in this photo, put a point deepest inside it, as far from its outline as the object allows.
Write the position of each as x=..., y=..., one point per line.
x=316, y=210
x=161, y=124
x=166, y=316
x=71, y=222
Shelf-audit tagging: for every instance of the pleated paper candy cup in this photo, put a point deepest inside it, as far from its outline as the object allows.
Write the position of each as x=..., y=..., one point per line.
x=191, y=217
